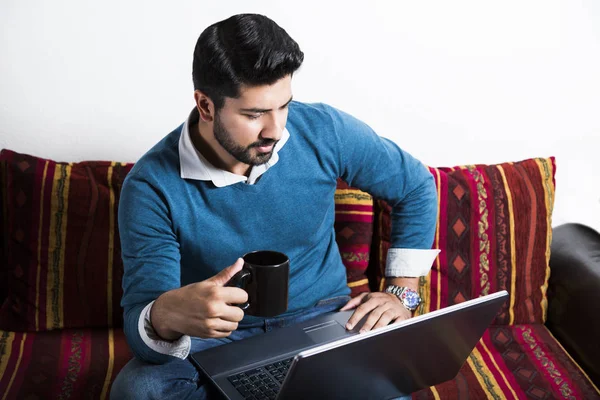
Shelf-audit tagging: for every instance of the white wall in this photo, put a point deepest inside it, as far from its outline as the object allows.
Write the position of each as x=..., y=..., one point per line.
x=453, y=82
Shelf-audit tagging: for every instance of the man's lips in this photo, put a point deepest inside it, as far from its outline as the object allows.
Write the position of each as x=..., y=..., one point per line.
x=265, y=149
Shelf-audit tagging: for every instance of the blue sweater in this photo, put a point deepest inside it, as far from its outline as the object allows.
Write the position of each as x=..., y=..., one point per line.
x=178, y=231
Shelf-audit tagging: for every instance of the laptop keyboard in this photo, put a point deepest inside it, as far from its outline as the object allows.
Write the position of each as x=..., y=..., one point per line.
x=261, y=383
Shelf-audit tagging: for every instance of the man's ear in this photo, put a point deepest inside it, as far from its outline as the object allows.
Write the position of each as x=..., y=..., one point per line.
x=205, y=106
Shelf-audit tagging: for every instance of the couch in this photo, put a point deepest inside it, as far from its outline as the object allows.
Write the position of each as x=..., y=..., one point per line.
x=61, y=269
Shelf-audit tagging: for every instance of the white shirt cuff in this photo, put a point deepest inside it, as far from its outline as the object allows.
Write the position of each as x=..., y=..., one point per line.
x=179, y=348
x=409, y=263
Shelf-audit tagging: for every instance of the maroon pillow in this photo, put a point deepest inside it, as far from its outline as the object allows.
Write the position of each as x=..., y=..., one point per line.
x=494, y=232
x=61, y=251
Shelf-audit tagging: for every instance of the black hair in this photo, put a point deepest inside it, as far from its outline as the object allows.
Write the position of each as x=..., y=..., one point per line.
x=245, y=49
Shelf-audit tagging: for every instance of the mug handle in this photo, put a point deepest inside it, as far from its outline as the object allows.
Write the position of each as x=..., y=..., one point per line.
x=237, y=280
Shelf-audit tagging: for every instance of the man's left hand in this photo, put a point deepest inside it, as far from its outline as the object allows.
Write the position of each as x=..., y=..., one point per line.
x=383, y=309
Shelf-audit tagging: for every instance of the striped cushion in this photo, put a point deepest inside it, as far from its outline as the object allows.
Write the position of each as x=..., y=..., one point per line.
x=516, y=362
x=75, y=364
x=354, y=234
x=61, y=250
x=494, y=232
x=61, y=253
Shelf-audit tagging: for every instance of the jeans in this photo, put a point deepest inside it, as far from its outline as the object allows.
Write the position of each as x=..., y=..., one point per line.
x=178, y=379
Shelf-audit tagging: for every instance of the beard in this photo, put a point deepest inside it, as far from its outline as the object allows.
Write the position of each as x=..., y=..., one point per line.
x=246, y=155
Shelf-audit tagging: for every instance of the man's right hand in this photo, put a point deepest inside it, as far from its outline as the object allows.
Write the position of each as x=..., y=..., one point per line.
x=203, y=309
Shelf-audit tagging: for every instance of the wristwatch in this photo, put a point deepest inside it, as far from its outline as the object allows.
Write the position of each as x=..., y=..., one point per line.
x=410, y=298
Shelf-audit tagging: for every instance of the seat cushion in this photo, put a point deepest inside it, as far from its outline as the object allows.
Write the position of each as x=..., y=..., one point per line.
x=74, y=364
x=494, y=232
x=516, y=361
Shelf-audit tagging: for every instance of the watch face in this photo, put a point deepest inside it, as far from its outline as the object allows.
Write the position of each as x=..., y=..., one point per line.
x=411, y=298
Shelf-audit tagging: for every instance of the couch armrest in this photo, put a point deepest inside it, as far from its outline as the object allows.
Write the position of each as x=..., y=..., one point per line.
x=574, y=294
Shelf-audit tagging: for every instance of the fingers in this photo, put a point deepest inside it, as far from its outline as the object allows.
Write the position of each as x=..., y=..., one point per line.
x=216, y=328
x=221, y=325
x=355, y=302
x=208, y=308
x=379, y=317
x=366, y=307
x=382, y=309
x=404, y=315
x=232, y=314
x=231, y=295
x=226, y=274
x=223, y=304
x=217, y=320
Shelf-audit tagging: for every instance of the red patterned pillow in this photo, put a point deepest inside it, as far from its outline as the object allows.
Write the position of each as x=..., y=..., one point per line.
x=494, y=232
x=354, y=234
x=61, y=253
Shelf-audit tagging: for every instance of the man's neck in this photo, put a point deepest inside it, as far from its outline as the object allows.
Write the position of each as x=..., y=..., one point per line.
x=204, y=141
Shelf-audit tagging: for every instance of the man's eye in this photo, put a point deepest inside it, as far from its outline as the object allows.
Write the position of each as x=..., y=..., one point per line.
x=253, y=116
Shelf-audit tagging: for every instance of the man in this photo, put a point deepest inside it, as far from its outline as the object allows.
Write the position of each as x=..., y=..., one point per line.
x=251, y=169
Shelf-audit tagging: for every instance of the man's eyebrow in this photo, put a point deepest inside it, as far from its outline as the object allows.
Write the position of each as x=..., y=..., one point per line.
x=263, y=110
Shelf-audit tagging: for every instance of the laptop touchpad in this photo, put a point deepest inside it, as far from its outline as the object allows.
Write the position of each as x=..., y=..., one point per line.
x=326, y=331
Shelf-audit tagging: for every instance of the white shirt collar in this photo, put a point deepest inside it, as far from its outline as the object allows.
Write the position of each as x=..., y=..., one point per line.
x=193, y=165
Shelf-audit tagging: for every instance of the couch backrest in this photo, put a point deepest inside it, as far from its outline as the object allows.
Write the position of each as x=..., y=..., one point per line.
x=494, y=232
x=62, y=267
x=60, y=250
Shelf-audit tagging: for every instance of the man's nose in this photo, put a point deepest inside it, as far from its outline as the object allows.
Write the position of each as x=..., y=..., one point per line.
x=273, y=128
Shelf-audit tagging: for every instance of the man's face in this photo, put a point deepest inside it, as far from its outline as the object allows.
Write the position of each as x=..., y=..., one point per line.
x=249, y=127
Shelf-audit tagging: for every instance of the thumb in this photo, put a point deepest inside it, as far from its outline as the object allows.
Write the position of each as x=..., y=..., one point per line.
x=226, y=274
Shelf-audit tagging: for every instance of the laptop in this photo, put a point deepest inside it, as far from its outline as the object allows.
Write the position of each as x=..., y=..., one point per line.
x=321, y=359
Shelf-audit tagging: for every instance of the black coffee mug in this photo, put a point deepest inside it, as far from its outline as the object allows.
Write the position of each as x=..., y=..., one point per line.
x=265, y=276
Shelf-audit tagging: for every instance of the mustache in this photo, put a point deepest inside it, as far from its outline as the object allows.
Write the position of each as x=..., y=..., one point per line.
x=264, y=142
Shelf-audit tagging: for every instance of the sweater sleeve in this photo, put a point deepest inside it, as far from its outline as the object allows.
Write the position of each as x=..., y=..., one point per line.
x=151, y=258
x=378, y=166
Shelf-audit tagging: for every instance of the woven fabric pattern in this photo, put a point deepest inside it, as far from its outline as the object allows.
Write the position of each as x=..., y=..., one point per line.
x=61, y=364
x=61, y=253
x=354, y=234
x=494, y=232
x=516, y=362
x=62, y=256
x=61, y=267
